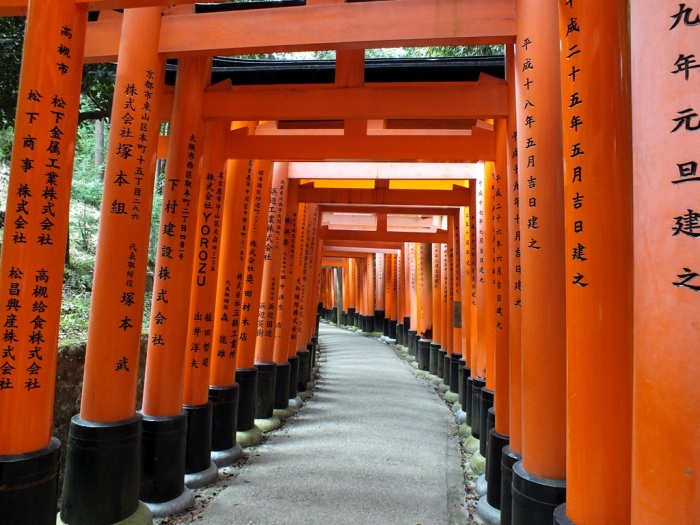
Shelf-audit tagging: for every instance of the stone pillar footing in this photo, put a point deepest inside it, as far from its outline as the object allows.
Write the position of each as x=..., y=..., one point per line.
x=441, y=362
x=454, y=372
x=534, y=497
x=224, y=458
x=29, y=486
x=560, y=517
x=102, y=473
x=488, y=514
x=174, y=506
x=433, y=358
x=202, y=478
x=423, y=354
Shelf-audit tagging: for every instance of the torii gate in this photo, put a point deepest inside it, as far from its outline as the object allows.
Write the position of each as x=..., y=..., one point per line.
x=577, y=241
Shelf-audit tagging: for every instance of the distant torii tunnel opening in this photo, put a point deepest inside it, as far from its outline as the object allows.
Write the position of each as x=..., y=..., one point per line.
x=523, y=224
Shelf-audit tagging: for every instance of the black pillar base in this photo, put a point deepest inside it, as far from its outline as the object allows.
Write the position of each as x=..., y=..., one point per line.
x=312, y=347
x=412, y=343
x=423, y=354
x=247, y=378
x=441, y=362
x=464, y=374
x=29, y=486
x=406, y=328
x=486, y=404
x=350, y=321
x=469, y=396
x=265, y=399
x=477, y=385
x=385, y=327
x=334, y=315
x=304, y=369
x=560, y=517
x=293, y=376
x=446, y=369
x=198, y=443
x=393, y=329
x=534, y=497
x=356, y=320
x=454, y=373
x=281, y=399
x=103, y=469
x=497, y=442
x=508, y=459
x=399, y=334
x=163, y=457
x=433, y=359
x=224, y=424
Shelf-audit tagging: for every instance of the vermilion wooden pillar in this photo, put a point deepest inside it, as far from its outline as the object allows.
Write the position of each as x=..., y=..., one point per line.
x=454, y=231
x=445, y=328
x=498, y=436
x=425, y=302
x=512, y=453
x=31, y=271
x=253, y=379
x=276, y=394
x=351, y=278
x=199, y=468
x=598, y=196
x=412, y=292
x=437, y=309
x=282, y=350
x=165, y=423
x=223, y=388
x=538, y=481
x=479, y=308
x=380, y=292
x=666, y=368
x=400, y=298
x=311, y=264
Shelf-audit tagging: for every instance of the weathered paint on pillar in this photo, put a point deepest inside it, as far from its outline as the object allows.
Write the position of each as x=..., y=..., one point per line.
x=273, y=254
x=307, y=316
x=164, y=380
x=227, y=308
x=36, y=226
x=112, y=355
x=204, y=279
x=666, y=410
x=501, y=277
x=489, y=246
x=542, y=214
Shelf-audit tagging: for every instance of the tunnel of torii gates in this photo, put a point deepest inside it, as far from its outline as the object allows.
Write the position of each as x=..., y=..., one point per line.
x=531, y=236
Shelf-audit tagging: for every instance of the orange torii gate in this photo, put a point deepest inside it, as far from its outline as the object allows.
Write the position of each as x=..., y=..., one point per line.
x=551, y=213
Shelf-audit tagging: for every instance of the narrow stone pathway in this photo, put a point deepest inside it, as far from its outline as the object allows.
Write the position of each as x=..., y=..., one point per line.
x=373, y=445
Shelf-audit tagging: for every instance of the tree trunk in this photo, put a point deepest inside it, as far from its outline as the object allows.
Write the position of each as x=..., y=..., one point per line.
x=99, y=148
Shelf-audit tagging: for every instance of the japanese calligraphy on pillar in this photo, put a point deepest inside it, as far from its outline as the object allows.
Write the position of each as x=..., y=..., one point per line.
x=37, y=209
x=576, y=181
x=684, y=82
x=500, y=270
x=514, y=206
x=528, y=131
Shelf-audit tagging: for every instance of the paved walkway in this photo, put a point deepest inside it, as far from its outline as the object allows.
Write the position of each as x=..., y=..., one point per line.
x=374, y=445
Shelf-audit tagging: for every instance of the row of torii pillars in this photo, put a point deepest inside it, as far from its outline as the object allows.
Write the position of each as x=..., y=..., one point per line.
x=584, y=333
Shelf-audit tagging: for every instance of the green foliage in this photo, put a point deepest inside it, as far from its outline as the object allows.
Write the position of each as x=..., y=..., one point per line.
x=11, y=38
